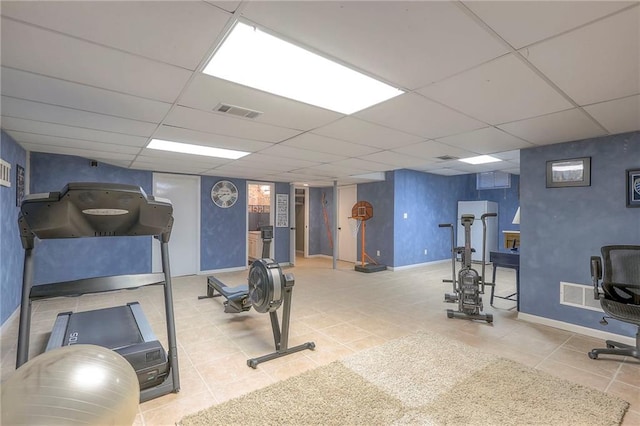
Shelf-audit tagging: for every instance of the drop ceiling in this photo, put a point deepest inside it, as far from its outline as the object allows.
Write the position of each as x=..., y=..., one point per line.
x=101, y=79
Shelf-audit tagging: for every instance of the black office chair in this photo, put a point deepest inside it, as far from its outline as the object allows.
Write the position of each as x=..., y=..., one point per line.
x=620, y=295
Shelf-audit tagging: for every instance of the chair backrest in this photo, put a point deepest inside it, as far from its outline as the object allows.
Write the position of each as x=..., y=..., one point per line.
x=622, y=267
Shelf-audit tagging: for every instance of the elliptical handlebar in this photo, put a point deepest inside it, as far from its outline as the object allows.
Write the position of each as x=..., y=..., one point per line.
x=484, y=245
x=488, y=215
x=445, y=225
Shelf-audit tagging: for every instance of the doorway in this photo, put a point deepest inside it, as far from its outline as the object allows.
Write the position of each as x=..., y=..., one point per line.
x=301, y=221
x=347, y=241
x=260, y=202
x=184, y=246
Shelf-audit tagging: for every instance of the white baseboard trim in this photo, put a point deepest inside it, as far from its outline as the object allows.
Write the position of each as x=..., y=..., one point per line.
x=598, y=334
x=416, y=265
x=320, y=255
x=220, y=271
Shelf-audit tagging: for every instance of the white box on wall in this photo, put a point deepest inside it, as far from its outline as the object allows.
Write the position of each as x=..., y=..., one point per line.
x=5, y=173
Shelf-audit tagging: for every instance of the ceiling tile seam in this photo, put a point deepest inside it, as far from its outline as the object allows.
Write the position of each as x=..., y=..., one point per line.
x=214, y=45
x=29, y=141
x=173, y=126
x=525, y=61
x=95, y=43
x=79, y=109
x=81, y=84
x=75, y=149
x=581, y=26
x=74, y=126
x=619, y=98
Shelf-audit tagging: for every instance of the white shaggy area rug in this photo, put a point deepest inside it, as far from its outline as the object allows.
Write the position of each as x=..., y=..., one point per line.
x=420, y=379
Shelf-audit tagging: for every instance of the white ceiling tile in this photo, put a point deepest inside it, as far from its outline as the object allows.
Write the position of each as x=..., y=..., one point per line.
x=394, y=159
x=333, y=170
x=560, y=127
x=32, y=138
x=290, y=152
x=497, y=92
x=228, y=5
x=269, y=162
x=430, y=150
x=167, y=157
x=53, y=54
x=42, y=128
x=412, y=113
x=617, y=116
x=364, y=133
x=175, y=32
x=206, y=92
x=181, y=168
x=521, y=23
x=485, y=141
x=445, y=171
x=223, y=124
x=509, y=155
x=19, y=108
x=324, y=144
x=359, y=163
x=595, y=63
x=402, y=42
x=179, y=134
x=87, y=153
x=33, y=87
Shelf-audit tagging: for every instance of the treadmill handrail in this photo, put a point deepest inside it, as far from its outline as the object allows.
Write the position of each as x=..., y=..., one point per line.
x=94, y=285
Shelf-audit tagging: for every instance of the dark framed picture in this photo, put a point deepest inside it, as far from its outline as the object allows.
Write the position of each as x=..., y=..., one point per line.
x=569, y=172
x=633, y=187
x=19, y=184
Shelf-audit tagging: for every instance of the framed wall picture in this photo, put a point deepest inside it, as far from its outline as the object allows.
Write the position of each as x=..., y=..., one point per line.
x=569, y=172
x=633, y=187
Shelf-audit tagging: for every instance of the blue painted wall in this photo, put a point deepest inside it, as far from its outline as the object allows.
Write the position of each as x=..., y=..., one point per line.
x=70, y=259
x=380, y=228
x=562, y=227
x=11, y=253
x=428, y=200
x=223, y=234
x=318, y=238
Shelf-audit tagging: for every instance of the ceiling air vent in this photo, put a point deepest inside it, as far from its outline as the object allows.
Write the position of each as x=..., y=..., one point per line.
x=237, y=111
x=447, y=157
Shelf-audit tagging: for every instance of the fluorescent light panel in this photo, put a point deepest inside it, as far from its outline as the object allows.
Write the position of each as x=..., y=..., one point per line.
x=187, y=148
x=253, y=58
x=480, y=159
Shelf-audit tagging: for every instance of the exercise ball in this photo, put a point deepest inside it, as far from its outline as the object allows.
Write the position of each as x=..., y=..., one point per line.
x=77, y=384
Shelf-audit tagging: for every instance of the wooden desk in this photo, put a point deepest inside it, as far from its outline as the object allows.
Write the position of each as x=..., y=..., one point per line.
x=502, y=259
x=511, y=239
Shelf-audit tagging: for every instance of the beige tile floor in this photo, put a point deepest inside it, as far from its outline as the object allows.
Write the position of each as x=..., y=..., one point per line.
x=343, y=312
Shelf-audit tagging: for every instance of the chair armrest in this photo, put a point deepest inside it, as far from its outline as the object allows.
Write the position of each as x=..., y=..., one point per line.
x=623, y=293
x=596, y=275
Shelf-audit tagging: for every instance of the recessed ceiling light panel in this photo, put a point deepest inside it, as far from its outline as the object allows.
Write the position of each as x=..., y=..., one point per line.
x=187, y=148
x=254, y=58
x=481, y=159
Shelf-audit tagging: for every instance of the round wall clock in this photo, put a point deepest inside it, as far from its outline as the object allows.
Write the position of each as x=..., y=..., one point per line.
x=224, y=194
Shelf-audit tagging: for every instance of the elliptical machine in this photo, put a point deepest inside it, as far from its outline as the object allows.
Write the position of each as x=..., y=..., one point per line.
x=469, y=285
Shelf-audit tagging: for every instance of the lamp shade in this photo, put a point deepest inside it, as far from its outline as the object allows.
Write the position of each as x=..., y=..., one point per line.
x=516, y=218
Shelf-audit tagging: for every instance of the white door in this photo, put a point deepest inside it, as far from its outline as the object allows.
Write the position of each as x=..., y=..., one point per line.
x=347, y=242
x=184, y=245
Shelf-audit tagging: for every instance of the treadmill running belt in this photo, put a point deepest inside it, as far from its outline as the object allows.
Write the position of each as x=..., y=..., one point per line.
x=112, y=328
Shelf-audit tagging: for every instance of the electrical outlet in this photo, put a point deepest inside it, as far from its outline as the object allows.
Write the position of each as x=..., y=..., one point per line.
x=425, y=251
x=377, y=252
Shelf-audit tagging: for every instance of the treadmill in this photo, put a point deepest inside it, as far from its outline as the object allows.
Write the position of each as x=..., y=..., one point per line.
x=85, y=210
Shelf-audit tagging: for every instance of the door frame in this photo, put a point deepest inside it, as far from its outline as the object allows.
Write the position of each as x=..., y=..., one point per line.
x=346, y=229
x=272, y=198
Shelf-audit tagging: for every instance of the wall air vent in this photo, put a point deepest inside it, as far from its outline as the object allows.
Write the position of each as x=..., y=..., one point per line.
x=447, y=157
x=237, y=111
